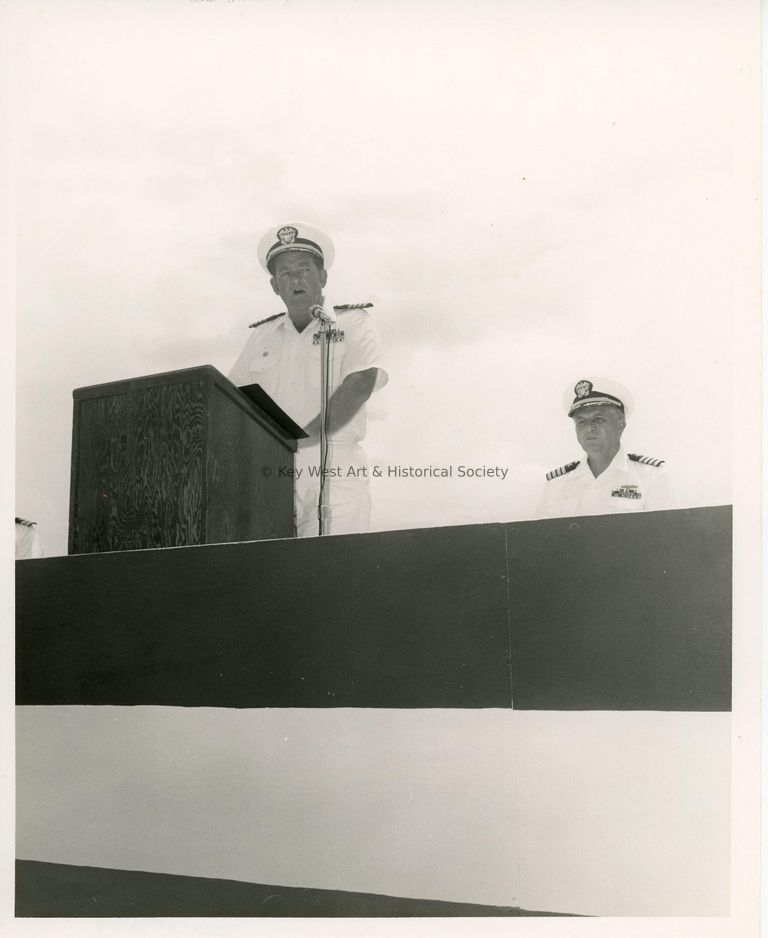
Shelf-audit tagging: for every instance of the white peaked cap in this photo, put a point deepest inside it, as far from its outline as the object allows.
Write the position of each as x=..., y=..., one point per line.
x=295, y=236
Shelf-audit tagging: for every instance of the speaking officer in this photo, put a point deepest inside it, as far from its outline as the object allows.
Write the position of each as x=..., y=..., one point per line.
x=609, y=480
x=283, y=356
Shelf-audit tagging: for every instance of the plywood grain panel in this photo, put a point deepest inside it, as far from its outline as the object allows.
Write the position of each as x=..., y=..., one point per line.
x=176, y=459
x=140, y=479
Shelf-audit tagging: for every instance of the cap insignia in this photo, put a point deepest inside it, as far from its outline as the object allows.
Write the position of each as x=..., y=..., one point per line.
x=582, y=389
x=287, y=234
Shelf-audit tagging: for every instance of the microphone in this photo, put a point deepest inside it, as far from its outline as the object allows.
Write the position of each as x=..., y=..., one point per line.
x=323, y=315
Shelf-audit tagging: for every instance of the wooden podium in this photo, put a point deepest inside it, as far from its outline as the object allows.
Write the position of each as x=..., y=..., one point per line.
x=176, y=459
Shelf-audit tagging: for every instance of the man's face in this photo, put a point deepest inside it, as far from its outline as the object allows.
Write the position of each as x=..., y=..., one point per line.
x=298, y=279
x=599, y=429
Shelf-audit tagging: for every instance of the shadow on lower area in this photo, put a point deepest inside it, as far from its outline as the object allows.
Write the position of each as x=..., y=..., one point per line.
x=57, y=890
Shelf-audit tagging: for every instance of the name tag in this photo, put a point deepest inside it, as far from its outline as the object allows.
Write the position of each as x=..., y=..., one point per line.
x=626, y=491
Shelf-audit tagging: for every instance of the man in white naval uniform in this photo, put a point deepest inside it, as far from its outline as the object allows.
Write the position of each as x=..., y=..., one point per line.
x=283, y=356
x=609, y=480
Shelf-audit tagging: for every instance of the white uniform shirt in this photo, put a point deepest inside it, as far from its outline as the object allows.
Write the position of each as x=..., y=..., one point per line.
x=625, y=485
x=27, y=542
x=286, y=363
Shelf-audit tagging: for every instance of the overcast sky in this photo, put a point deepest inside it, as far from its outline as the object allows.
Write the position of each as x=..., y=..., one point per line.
x=530, y=193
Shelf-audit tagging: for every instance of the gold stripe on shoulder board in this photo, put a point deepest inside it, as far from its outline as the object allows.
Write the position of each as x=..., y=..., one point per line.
x=268, y=319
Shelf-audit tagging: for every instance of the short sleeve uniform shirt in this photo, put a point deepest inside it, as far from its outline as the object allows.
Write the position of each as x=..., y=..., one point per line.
x=286, y=363
x=626, y=485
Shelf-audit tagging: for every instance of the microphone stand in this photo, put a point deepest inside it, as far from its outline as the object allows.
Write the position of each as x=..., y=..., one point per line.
x=325, y=322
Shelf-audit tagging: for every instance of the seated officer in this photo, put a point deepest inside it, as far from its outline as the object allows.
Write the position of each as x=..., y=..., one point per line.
x=609, y=480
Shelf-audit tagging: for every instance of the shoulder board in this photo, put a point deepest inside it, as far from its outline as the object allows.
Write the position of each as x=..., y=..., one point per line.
x=346, y=307
x=268, y=319
x=27, y=524
x=646, y=460
x=563, y=470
